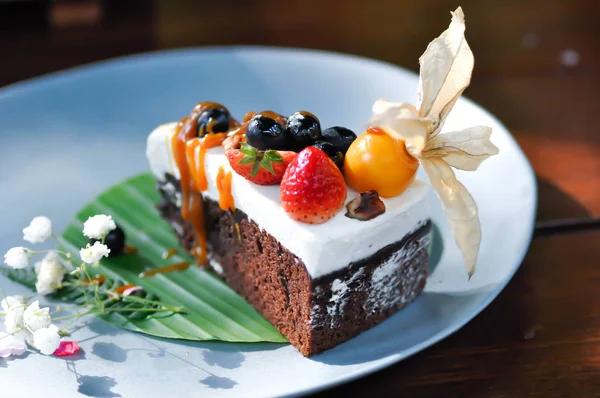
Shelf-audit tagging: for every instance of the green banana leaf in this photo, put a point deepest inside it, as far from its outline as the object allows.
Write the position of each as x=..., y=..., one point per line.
x=213, y=311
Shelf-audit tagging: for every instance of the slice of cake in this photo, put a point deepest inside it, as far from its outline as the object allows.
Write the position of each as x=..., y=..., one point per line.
x=323, y=232
x=319, y=284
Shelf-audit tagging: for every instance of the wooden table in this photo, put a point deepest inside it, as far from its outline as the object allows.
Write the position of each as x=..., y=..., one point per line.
x=537, y=69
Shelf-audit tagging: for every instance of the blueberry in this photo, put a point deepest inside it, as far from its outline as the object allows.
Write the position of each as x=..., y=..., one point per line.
x=331, y=151
x=115, y=240
x=264, y=133
x=304, y=129
x=340, y=137
x=215, y=120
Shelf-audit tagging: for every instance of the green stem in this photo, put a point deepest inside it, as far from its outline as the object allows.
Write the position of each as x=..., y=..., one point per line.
x=72, y=284
x=11, y=334
x=152, y=302
x=142, y=300
x=76, y=316
x=144, y=309
x=50, y=250
x=3, y=294
x=96, y=292
x=81, y=283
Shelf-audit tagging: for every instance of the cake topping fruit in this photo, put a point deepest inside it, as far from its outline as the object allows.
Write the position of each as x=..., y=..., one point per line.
x=313, y=189
x=366, y=206
x=376, y=161
x=264, y=132
x=115, y=240
x=214, y=120
x=304, y=129
x=259, y=167
x=331, y=151
x=340, y=137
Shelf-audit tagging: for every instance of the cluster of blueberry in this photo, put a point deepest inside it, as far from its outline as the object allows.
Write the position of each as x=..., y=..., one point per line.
x=266, y=130
x=301, y=129
x=215, y=120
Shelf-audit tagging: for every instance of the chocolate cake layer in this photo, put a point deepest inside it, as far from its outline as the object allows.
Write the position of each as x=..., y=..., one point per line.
x=313, y=315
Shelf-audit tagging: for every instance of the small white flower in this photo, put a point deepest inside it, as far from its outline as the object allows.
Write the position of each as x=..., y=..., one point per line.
x=12, y=302
x=50, y=274
x=11, y=345
x=14, y=307
x=24, y=335
x=35, y=318
x=13, y=320
x=37, y=266
x=17, y=257
x=38, y=230
x=50, y=257
x=93, y=254
x=97, y=227
x=46, y=339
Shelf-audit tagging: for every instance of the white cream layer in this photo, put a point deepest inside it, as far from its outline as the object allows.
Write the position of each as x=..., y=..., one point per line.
x=323, y=248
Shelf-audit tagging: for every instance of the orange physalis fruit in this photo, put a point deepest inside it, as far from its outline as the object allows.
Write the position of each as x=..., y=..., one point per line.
x=376, y=161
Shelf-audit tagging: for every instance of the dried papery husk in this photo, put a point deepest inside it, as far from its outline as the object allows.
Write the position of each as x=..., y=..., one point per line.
x=446, y=68
x=464, y=149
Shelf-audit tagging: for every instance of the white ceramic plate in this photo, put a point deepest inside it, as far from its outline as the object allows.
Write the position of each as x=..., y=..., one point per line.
x=68, y=136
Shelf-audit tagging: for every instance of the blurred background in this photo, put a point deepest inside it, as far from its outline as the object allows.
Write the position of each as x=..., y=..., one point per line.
x=537, y=61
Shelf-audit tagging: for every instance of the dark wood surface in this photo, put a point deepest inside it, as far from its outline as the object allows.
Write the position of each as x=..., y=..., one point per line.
x=537, y=69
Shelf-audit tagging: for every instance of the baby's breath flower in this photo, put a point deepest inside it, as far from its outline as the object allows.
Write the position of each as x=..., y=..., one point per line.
x=24, y=335
x=17, y=257
x=39, y=230
x=35, y=318
x=50, y=274
x=46, y=339
x=12, y=302
x=13, y=307
x=13, y=320
x=93, y=254
x=98, y=226
x=51, y=256
x=11, y=345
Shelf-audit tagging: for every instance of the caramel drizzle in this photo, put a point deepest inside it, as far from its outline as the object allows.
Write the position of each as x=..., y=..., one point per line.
x=190, y=153
x=121, y=289
x=248, y=116
x=226, y=201
x=276, y=116
x=197, y=168
x=166, y=269
x=130, y=249
x=192, y=171
x=239, y=233
x=100, y=279
x=167, y=254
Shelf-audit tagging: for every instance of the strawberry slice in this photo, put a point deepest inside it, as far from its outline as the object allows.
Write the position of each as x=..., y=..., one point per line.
x=259, y=167
x=313, y=189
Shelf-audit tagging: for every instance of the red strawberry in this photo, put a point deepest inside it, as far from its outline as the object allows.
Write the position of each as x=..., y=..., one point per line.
x=262, y=168
x=313, y=189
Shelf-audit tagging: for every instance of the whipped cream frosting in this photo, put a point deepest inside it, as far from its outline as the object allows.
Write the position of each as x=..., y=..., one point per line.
x=324, y=248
